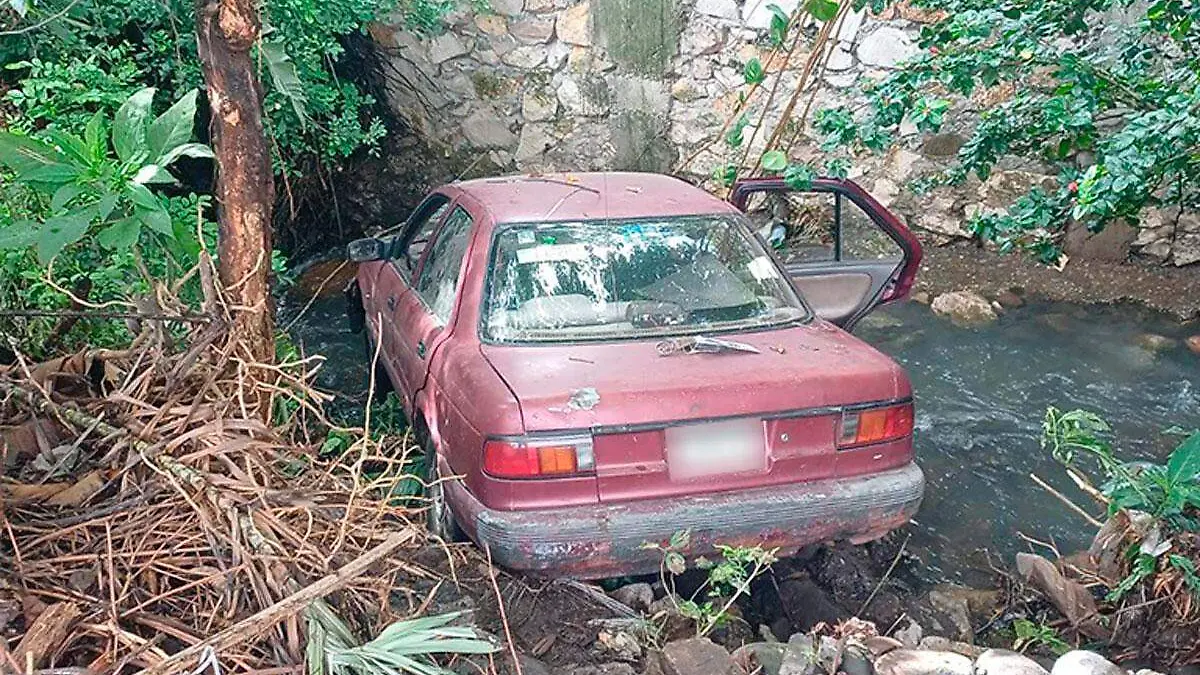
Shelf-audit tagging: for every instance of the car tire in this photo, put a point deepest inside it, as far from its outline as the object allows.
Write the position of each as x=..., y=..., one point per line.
x=439, y=518
x=383, y=382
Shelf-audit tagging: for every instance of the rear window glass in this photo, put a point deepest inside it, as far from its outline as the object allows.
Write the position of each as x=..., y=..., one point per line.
x=645, y=277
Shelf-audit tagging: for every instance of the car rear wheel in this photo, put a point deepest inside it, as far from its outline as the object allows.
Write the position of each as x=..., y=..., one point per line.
x=438, y=517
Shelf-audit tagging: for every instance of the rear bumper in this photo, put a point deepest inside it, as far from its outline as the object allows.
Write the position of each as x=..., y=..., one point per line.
x=598, y=541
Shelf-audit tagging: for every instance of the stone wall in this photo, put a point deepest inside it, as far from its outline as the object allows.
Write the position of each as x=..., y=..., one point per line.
x=544, y=85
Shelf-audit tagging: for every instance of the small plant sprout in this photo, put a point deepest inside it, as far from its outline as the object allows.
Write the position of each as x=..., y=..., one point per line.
x=727, y=580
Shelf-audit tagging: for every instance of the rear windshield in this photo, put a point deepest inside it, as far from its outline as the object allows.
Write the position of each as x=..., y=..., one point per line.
x=643, y=277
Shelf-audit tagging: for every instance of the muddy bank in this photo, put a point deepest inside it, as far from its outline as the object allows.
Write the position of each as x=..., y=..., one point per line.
x=1174, y=290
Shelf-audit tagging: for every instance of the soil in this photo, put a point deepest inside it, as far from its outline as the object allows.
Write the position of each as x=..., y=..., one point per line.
x=1173, y=290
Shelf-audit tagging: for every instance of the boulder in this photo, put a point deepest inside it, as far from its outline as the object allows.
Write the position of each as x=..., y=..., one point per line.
x=1112, y=244
x=535, y=140
x=920, y=662
x=532, y=666
x=538, y=106
x=909, y=634
x=1154, y=343
x=722, y=9
x=1004, y=662
x=1081, y=662
x=964, y=308
x=635, y=596
x=697, y=656
x=955, y=610
x=1193, y=343
x=506, y=7
x=603, y=669
x=809, y=655
x=943, y=145
x=619, y=645
x=1009, y=299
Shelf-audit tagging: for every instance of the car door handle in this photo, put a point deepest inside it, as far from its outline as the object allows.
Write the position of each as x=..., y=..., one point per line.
x=421, y=349
x=391, y=302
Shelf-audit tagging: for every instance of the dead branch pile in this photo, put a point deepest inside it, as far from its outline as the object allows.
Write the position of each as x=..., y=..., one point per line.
x=151, y=519
x=1156, y=618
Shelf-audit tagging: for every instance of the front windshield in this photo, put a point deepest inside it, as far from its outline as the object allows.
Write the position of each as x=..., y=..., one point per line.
x=631, y=278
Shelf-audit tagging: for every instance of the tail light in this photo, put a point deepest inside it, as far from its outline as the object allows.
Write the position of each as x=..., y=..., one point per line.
x=540, y=457
x=875, y=425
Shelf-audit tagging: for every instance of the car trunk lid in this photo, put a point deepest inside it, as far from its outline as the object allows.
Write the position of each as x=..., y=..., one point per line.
x=689, y=423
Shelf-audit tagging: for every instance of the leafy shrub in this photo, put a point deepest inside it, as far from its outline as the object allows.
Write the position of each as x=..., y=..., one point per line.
x=1104, y=91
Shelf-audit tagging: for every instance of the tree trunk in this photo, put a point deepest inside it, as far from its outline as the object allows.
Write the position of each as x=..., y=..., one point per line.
x=226, y=30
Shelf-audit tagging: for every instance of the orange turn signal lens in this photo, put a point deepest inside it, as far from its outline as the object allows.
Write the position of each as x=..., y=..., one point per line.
x=875, y=425
x=538, y=457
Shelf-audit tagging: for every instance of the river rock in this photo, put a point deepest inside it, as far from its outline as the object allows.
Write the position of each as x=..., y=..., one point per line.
x=635, y=596
x=1004, y=662
x=532, y=666
x=1193, y=343
x=1081, y=662
x=619, y=645
x=1154, y=343
x=761, y=657
x=909, y=634
x=964, y=308
x=1009, y=299
x=919, y=662
x=697, y=656
x=938, y=643
x=953, y=608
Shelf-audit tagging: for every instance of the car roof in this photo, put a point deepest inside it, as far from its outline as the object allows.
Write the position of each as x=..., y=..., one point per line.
x=589, y=196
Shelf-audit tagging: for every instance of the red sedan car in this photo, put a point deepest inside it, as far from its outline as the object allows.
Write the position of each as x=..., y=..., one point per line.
x=597, y=361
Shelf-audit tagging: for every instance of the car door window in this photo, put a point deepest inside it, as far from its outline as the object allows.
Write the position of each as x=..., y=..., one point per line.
x=417, y=233
x=438, y=277
x=805, y=227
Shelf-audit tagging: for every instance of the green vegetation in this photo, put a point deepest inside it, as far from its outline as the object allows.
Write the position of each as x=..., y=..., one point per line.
x=1030, y=635
x=98, y=104
x=1161, y=500
x=1104, y=91
x=726, y=580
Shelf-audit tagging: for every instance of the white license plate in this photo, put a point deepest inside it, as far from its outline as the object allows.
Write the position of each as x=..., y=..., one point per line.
x=712, y=448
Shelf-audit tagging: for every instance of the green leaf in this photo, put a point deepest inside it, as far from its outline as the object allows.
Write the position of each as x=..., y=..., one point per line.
x=122, y=234
x=64, y=195
x=675, y=562
x=172, y=128
x=1184, y=464
x=95, y=137
x=142, y=197
x=49, y=173
x=59, y=233
x=198, y=150
x=105, y=206
x=822, y=10
x=152, y=174
x=130, y=126
x=779, y=25
x=285, y=79
x=21, y=234
x=159, y=221
x=680, y=539
x=774, y=161
x=753, y=72
x=798, y=176
x=21, y=153
x=72, y=146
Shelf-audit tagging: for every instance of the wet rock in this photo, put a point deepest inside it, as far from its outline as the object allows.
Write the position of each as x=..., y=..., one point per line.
x=1004, y=662
x=964, y=308
x=762, y=657
x=921, y=297
x=1081, y=662
x=1154, y=343
x=856, y=660
x=1009, y=299
x=806, y=654
x=635, y=596
x=919, y=662
x=938, y=643
x=1057, y=321
x=954, y=610
x=1193, y=343
x=697, y=656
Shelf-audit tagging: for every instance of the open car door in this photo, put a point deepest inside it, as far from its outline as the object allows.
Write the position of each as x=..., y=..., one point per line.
x=844, y=251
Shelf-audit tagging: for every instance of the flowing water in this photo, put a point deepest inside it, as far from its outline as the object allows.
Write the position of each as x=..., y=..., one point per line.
x=981, y=394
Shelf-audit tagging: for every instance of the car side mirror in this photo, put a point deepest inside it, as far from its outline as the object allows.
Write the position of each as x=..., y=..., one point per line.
x=366, y=250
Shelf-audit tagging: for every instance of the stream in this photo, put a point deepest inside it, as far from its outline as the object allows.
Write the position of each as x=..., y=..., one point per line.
x=980, y=395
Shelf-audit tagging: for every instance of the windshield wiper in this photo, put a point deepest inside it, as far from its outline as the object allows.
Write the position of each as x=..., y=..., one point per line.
x=698, y=344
